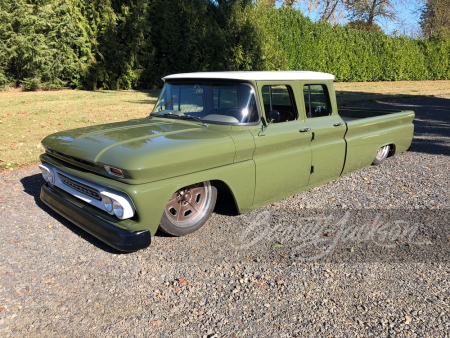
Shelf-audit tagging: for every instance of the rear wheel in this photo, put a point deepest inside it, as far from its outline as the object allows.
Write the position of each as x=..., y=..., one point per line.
x=382, y=154
x=188, y=209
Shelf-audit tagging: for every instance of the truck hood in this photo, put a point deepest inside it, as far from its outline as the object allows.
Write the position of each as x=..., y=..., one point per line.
x=147, y=150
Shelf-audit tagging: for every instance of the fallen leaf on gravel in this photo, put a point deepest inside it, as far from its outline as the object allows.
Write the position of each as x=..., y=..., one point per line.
x=48, y=281
x=154, y=322
x=2, y=308
x=351, y=249
x=278, y=245
x=49, y=226
x=348, y=323
x=183, y=281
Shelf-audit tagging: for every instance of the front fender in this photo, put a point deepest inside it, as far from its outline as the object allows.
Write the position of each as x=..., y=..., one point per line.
x=150, y=199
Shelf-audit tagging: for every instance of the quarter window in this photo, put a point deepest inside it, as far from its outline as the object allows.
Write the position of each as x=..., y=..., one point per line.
x=317, y=102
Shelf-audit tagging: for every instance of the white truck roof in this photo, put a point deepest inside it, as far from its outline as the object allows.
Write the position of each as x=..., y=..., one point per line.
x=254, y=75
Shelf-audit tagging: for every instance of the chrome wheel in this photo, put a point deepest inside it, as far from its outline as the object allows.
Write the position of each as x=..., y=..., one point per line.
x=381, y=155
x=189, y=204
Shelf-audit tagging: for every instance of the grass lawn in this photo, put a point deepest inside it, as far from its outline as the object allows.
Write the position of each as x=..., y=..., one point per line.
x=27, y=117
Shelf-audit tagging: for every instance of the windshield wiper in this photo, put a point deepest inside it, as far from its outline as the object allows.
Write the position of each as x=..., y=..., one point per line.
x=183, y=117
x=186, y=117
x=169, y=115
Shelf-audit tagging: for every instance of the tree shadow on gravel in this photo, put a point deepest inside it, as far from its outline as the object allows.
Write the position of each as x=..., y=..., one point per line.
x=32, y=186
x=431, y=123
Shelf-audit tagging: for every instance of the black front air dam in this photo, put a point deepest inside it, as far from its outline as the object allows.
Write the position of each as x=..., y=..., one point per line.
x=116, y=237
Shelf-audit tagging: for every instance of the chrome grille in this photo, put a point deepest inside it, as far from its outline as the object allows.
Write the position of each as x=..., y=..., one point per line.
x=91, y=192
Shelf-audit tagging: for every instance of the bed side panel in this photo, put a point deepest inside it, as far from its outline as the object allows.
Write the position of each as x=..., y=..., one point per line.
x=365, y=136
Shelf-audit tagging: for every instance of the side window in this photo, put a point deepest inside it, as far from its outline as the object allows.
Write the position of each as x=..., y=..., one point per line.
x=281, y=99
x=317, y=101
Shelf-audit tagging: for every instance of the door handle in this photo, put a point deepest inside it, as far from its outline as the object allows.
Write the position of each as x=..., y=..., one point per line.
x=304, y=130
x=338, y=124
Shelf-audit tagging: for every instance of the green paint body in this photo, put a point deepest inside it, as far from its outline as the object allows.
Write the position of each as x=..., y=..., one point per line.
x=160, y=155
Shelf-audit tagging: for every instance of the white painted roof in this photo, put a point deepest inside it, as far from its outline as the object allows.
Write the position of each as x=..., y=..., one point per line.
x=256, y=75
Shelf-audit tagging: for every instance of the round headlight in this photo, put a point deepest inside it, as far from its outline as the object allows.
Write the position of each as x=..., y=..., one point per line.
x=44, y=173
x=118, y=209
x=108, y=204
x=50, y=176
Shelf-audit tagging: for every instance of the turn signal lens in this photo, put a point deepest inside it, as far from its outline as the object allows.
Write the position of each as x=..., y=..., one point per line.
x=114, y=171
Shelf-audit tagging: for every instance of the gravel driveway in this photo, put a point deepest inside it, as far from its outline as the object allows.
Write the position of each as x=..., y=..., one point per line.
x=316, y=264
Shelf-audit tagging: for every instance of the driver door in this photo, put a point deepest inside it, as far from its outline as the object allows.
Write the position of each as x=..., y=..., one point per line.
x=282, y=151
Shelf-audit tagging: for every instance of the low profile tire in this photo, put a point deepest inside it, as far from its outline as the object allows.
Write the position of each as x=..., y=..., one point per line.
x=382, y=154
x=188, y=209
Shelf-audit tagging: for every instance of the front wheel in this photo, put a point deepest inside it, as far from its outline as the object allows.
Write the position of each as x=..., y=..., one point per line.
x=382, y=154
x=188, y=209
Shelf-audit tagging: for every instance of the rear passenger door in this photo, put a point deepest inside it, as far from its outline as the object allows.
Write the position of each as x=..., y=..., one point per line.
x=282, y=154
x=328, y=131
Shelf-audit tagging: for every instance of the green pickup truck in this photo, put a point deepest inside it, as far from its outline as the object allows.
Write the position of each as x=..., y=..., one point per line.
x=256, y=137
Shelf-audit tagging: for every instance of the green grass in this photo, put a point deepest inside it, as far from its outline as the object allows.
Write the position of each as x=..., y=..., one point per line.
x=349, y=93
x=27, y=117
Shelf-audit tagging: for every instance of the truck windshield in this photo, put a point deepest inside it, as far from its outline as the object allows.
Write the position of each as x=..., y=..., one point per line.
x=214, y=103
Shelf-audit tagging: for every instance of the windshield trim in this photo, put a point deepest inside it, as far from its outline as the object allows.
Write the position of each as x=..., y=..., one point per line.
x=200, y=81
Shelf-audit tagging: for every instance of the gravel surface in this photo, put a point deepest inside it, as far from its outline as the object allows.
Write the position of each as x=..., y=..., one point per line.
x=310, y=265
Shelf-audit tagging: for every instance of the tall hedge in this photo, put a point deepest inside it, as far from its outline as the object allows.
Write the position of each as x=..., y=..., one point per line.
x=355, y=55
x=126, y=44
x=40, y=43
x=140, y=41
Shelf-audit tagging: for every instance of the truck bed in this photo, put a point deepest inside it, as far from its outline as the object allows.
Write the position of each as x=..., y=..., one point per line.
x=369, y=129
x=351, y=114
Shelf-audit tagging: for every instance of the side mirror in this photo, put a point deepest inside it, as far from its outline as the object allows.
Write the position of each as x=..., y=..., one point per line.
x=274, y=116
